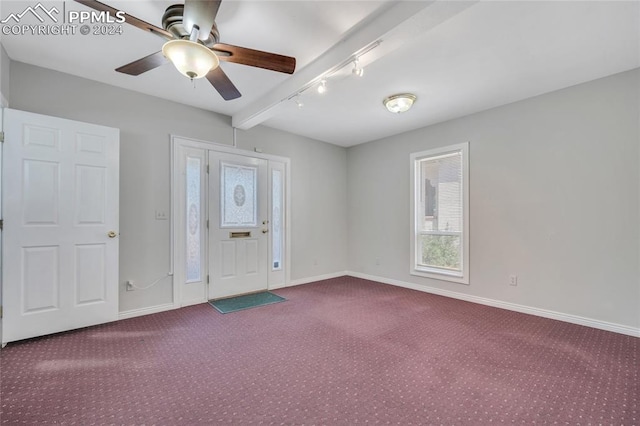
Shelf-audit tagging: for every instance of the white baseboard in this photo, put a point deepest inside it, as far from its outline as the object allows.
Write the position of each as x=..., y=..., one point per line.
x=308, y=280
x=277, y=286
x=146, y=311
x=169, y=306
x=192, y=302
x=573, y=319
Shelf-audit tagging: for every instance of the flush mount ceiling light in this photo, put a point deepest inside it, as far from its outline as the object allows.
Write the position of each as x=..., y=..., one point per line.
x=191, y=58
x=399, y=103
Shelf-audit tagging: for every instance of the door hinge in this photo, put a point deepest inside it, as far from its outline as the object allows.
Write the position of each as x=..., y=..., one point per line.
x=1, y=224
x=207, y=279
x=207, y=168
x=207, y=224
x=1, y=136
x=1, y=312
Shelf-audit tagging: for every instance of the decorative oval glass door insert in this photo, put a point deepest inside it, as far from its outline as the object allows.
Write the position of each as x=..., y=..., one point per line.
x=238, y=202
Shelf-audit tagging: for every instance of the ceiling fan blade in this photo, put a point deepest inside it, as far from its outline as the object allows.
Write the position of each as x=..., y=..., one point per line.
x=144, y=64
x=201, y=13
x=131, y=20
x=222, y=84
x=255, y=58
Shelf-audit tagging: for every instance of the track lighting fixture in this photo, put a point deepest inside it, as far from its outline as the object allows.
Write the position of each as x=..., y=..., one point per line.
x=322, y=88
x=339, y=71
x=359, y=71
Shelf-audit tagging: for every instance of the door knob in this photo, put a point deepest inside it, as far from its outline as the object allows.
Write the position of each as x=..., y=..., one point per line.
x=264, y=231
x=112, y=234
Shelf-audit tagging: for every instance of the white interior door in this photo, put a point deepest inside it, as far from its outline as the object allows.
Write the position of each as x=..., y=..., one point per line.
x=239, y=226
x=60, y=245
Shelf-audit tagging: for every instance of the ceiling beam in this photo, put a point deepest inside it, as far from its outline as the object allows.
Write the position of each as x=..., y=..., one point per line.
x=379, y=34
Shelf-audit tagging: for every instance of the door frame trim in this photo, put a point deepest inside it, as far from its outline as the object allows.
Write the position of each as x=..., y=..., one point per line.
x=3, y=105
x=178, y=142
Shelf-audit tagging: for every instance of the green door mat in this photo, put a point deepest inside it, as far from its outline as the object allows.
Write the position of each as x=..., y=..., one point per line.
x=247, y=301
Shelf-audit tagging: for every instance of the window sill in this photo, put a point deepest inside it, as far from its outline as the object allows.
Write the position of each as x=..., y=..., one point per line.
x=441, y=275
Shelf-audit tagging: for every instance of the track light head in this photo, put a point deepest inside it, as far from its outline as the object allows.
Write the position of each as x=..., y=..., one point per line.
x=322, y=88
x=358, y=71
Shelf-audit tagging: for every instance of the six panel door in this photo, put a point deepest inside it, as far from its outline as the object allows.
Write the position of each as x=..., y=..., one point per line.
x=60, y=245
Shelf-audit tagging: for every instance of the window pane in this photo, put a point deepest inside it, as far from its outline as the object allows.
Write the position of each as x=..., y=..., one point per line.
x=193, y=220
x=238, y=200
x=441, y=193
x=439, y=251
x=440, y=212
x=276, y=217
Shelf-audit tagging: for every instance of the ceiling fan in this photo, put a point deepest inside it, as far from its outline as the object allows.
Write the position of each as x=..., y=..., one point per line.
x=193, y=45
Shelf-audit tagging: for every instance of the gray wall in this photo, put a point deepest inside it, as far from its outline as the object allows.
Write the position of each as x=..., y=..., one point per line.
x=554, y=188
x=318, y=199
x=145, y=124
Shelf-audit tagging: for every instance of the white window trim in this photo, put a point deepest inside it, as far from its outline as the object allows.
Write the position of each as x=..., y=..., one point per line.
x=437, y=273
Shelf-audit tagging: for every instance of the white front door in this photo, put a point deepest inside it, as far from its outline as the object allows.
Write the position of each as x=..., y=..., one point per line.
x=60, y=245
x=238, y=225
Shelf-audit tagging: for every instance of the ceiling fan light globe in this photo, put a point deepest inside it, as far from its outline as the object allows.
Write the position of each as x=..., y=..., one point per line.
x=191, y=59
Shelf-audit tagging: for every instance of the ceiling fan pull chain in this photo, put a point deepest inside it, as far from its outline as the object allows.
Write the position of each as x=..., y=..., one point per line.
x=194, y=33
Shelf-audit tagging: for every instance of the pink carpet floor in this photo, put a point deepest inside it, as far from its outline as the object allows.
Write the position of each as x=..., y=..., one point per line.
x=338, y=352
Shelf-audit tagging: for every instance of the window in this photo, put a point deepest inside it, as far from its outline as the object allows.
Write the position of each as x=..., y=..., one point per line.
x=194, y=247
x=238, y=196
x=277, y=207
x=439, y=210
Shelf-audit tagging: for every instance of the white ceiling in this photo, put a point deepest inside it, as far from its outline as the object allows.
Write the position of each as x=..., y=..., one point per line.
x=457, y=57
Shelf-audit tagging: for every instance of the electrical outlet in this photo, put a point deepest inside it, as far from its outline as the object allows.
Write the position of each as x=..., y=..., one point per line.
x=161, y=215
x=513, y=280
x=130, y=285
